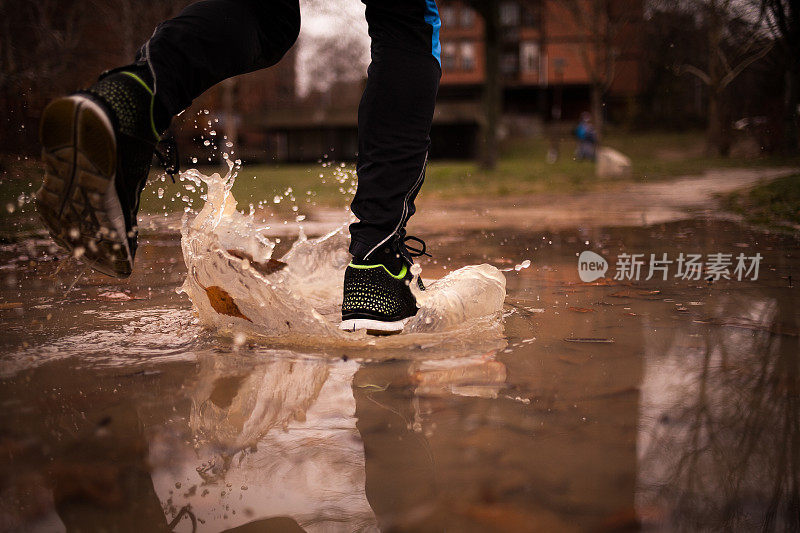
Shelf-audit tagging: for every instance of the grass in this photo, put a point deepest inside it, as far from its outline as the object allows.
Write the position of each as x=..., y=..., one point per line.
x=309, y=185
x=521, y=169
x=775, y=204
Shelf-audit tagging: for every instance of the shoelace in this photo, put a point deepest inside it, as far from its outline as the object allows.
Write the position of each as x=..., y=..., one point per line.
x=167, y=151
x=411, y=250
x=415, y=252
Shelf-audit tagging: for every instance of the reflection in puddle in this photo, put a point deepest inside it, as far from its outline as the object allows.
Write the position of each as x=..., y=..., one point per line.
x=277, y=441
x=280, y=440
x=482, y=377
x=126, y=415
x=719, y=439
x=148, y=336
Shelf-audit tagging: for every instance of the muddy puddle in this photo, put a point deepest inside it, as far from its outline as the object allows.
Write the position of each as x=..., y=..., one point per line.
x=603, y=406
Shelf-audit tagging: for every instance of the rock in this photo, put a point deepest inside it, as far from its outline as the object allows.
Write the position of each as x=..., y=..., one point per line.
x=612, y=164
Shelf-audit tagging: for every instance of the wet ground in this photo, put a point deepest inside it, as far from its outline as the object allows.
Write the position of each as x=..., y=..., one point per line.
x=607, y=406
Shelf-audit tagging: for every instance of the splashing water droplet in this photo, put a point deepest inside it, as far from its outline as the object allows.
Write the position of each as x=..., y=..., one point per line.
x=300, y=295
x=524, y=264
x=239, y=339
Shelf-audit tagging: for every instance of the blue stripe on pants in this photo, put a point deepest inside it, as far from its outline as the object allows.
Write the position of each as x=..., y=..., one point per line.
x=432, y=18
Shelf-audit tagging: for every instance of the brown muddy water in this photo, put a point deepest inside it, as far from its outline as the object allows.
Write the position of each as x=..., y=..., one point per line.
x=607, y=406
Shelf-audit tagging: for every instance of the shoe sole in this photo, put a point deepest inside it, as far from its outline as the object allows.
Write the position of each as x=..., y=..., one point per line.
x=373, y=327
x=78, y=201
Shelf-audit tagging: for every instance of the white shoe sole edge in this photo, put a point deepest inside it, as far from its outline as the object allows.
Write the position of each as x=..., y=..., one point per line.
x=356, y=324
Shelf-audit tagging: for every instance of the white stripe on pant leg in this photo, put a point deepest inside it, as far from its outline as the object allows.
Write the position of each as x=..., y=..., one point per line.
x=416, y=185
x=147, y=60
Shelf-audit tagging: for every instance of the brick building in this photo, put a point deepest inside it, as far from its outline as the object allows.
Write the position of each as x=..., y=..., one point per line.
x=549, y=54
x=545, y=62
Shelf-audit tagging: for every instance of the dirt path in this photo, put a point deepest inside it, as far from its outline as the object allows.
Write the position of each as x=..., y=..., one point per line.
x=629, y=204
x=621, y=204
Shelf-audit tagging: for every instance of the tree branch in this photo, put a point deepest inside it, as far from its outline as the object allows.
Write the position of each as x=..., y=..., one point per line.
x=730, y=76
x=705, y=78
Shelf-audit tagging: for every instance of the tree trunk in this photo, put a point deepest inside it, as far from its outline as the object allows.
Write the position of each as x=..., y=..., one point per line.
x=597, y=109
x=714, y=131
x=129, y=44
x=492, y=87
x=791, y=103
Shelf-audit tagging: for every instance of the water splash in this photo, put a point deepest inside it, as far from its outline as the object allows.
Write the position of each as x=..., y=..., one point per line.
x=238, y=287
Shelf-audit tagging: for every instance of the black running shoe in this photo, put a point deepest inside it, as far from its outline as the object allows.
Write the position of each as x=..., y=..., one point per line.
x=377, y=293
x=97, y=147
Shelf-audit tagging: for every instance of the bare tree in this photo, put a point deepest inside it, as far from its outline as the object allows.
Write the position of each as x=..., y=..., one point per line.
x=732, y=432
x=603, y=23
x=328, y=59
x=492, y=98
x=52, y=47
x=37, y=39
x=38, y=42
x=334, y=45
x=134, y=20
x=783, y=19
x=734, y=42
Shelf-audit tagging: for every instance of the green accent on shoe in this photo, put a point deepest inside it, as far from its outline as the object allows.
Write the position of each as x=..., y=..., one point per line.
x=152, y=101
x=400, y=275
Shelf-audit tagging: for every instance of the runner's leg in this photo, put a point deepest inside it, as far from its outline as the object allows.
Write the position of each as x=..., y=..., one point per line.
x=394, y=119
x=98, y=144
x=212, y=40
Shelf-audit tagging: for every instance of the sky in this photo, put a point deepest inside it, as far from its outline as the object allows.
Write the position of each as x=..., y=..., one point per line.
x=340, y=21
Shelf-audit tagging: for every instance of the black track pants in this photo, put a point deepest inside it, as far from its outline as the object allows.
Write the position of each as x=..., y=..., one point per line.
x=212, y=40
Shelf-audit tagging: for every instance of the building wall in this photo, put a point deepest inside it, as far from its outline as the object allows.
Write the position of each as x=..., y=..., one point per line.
x=544, y=45
x=462, y=44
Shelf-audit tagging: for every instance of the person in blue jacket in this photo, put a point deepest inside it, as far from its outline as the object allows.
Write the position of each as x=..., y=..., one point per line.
x=587, y=138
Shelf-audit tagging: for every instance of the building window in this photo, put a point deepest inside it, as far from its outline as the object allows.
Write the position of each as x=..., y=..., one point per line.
x=467, y=56
x=508, y=63
x=467, y=18
x=529, y=56
x=530, y=15
x=448, y=56
x=448, y=16
x=509, y=14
